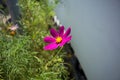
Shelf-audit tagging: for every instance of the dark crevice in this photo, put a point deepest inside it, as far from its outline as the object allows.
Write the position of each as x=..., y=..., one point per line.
x=76, y=71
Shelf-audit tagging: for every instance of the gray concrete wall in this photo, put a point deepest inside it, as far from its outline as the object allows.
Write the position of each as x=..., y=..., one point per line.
x=96, y=35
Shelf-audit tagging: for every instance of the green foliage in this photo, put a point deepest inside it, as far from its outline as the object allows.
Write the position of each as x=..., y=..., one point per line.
x=38, y=13
x=22, y=56
x=14, y=56
x=19, y=60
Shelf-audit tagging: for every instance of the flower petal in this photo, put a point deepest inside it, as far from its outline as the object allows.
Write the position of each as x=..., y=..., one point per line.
x=65, y=40
x=61, y=30
x=67, y=32
x=51, y=46
x=49, y=39
x=14, y=27
x=53, y=32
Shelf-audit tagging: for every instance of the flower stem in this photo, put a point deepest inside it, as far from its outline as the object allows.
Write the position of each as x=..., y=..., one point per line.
x=49, y=62
x=58, y=52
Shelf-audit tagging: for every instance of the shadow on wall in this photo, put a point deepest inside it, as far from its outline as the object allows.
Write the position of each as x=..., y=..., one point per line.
x=76, y=71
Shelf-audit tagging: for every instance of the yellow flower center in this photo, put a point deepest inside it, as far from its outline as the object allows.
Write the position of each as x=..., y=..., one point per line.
x=58, y=39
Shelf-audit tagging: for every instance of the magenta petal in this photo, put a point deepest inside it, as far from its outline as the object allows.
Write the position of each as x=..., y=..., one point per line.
x=65, y=40
x=49, y=39
x=51, y=46
x=53, y=32
x=61, y=30
x=67, y=32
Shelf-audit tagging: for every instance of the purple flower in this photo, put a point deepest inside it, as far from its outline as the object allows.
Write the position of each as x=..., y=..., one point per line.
x=58, y=38
x=14, y=27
